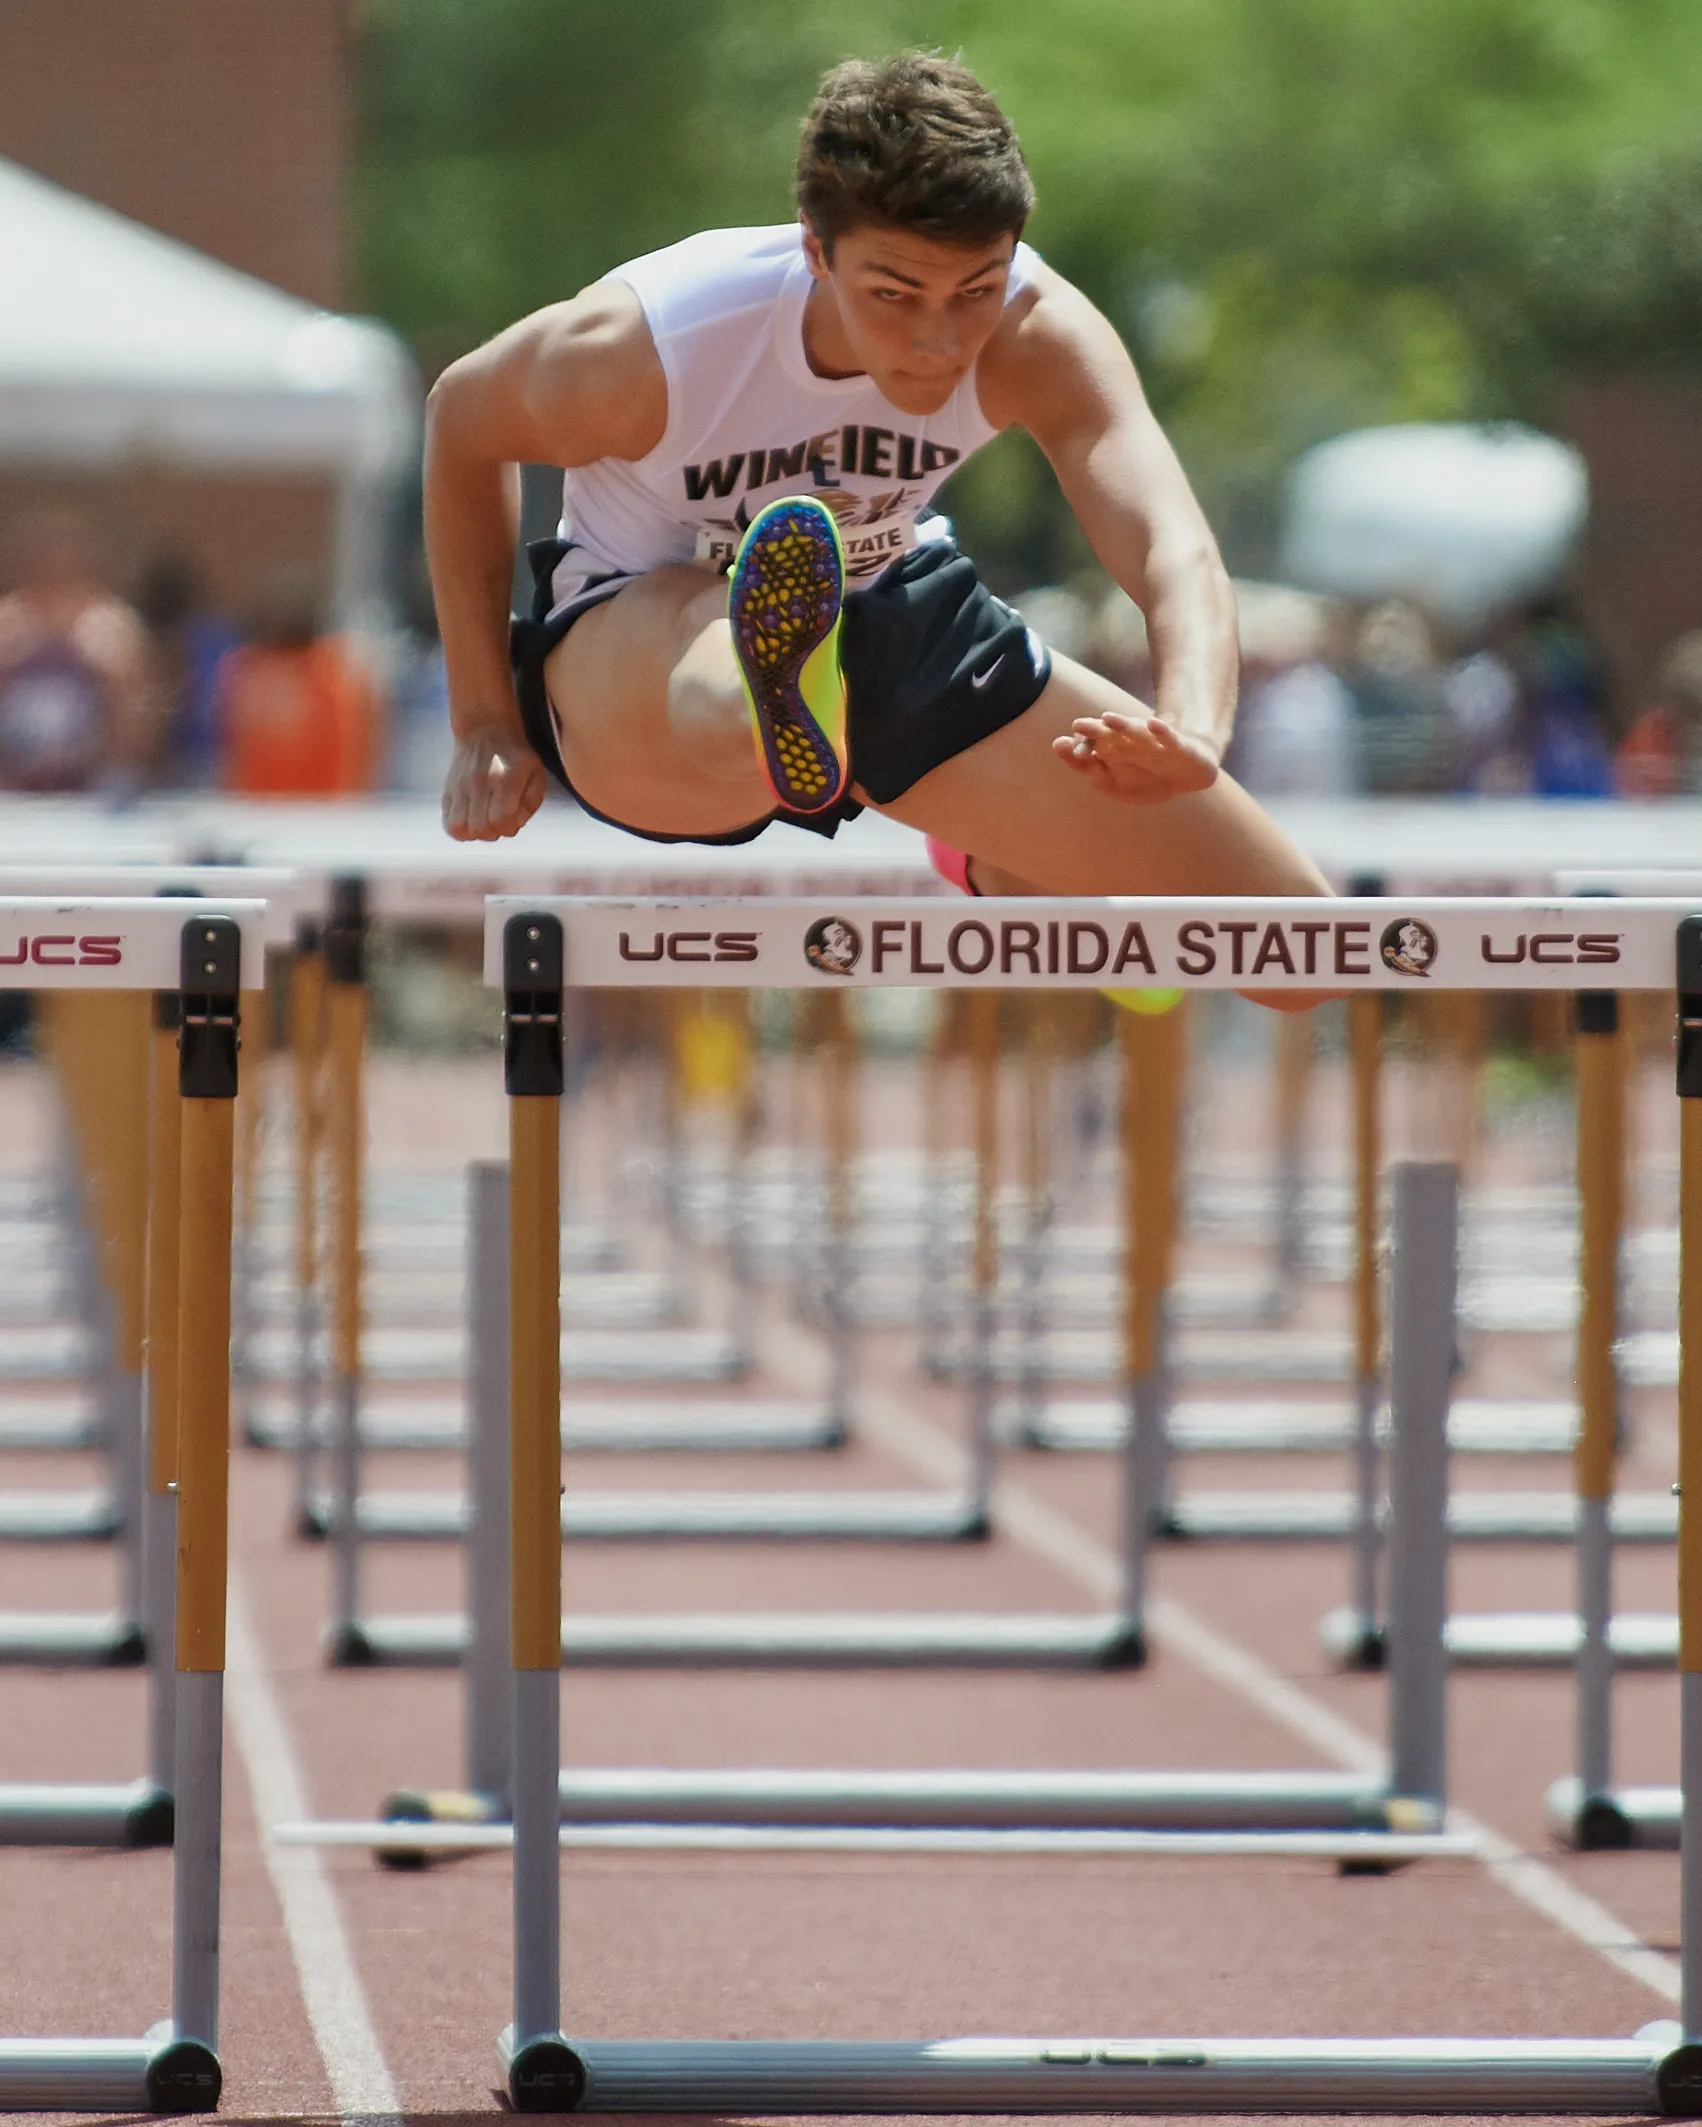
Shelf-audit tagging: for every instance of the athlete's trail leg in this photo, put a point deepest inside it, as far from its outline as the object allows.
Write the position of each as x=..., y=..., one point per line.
x=1011, y=802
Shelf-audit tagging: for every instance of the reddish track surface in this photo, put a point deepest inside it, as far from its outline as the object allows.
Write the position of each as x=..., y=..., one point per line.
x=696, y=1945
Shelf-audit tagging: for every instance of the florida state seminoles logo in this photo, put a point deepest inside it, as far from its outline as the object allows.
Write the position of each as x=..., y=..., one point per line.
x=1408, y=946
x=833, y=945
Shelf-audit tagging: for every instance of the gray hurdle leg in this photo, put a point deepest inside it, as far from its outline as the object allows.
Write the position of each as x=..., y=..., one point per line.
x=307, y=1035
x=488, y=1681
x=1426, y=1218
x=345, y=1014
x=160, y=1532
x=1364, y=1648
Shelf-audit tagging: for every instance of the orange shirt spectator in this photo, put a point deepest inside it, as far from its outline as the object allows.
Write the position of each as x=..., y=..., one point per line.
x=1661, y=755
x=296, y=715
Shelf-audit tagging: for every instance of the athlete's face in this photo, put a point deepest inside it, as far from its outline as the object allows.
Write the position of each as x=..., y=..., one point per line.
x=910, y=313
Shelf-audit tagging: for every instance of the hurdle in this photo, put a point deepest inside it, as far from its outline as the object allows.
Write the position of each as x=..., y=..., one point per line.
x=350, y=1516
x=127, y=945
x=1354, y=1633
x=1587, y=1810
x=892, y=1515
x=827, y=1640
x=1658, y=2069
x=1409, y=1800
x=105, y=1071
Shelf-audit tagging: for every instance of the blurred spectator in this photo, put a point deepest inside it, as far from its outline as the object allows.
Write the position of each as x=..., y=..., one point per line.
x=1404, y=735
x=187, y=645
x=296, y=715
x=76, y=708
x=1481, y=693
x=1560, y=675
x=1661, y=755
x=1294, y=732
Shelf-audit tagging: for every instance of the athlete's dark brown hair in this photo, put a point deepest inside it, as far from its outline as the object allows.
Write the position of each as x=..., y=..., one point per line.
x=911, y=143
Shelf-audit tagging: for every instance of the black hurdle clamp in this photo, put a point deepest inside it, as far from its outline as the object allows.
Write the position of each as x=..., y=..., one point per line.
x=1689, y=987
x=210, y=990
x=533, y=975
x=168, y=1004
x=345, y=932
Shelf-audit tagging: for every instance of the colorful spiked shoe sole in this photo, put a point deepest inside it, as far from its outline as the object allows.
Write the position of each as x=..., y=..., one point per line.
x=784, y=605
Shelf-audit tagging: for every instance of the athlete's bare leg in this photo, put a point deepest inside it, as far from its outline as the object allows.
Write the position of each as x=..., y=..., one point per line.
x=656, y=733
x=1020, y=810
x=655, y=727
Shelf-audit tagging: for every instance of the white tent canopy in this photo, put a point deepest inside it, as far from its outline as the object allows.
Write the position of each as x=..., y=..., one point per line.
x=118, y=344
x=1464, y=518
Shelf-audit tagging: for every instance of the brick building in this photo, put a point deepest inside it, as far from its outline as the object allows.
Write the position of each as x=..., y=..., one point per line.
x=225, y=124
x=1639, y=570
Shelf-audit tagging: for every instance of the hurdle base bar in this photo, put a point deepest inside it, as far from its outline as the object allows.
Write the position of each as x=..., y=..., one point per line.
x=1290, y=1427
x=1646, y=1818
x=1301, y=1358
x=886, y=1801
x=156, y=2073
x=1514, y=1639
x=413, y=1359
x=757, y=1640
x=70, y=1639
x=53, y=1428
x=543, y=2074
x=58, y=1517
x=66, y=1814
x=1473, y=1517
x=1025, y=1801
x=614, y=1428
x=1649, y=2073
x=738, y=1517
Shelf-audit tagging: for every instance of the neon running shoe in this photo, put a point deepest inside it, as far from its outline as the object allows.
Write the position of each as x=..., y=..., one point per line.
x=787, y=590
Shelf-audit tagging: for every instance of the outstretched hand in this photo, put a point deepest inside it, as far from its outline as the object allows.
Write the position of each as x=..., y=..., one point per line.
x=1140, y=759
x=494, y=785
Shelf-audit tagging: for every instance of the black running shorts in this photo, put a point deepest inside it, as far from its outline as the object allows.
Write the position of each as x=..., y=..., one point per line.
x=934, y=663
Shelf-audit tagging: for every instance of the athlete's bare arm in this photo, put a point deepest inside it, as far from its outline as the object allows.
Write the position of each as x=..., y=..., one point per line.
x=568, y=385
x=1057, y=368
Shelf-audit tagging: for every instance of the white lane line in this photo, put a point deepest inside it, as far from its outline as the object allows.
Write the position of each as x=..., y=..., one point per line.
x=331, y=1990
x=1086, y=1561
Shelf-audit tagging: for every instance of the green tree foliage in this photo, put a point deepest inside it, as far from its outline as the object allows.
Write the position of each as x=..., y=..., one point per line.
x=1303, y=214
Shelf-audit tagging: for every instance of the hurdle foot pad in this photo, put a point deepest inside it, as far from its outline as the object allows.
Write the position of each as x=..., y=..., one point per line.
x=546, y=2075
x=349, y=1647
x=1678, y=2080
x=184, y=2076
x=1124, y=1649
x=419, y=1805
x=1602, y=1827
x=151, y=1819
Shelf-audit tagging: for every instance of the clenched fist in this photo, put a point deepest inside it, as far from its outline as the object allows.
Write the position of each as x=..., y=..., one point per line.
x=494, y=785
x=1140, y=759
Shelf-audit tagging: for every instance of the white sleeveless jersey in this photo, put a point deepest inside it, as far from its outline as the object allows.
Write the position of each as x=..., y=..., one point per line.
x=748, y=421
